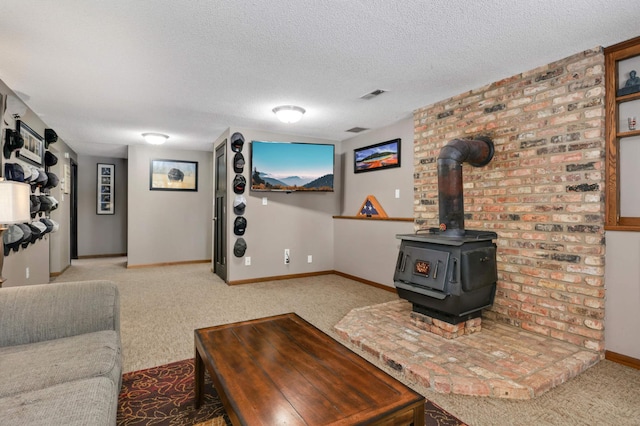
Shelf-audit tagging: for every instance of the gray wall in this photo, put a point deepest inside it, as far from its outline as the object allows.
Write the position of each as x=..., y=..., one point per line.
x=168, y=226
x=101, y=235
x=301, y=222
x=369, y=248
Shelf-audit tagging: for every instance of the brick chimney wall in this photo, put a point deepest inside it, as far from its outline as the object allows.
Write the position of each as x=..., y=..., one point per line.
x=543, y=192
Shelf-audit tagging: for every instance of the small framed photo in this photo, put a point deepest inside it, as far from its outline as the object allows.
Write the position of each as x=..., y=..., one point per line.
x=105, y=188
x=383, y=155
x=33, y=149
x=173, y=175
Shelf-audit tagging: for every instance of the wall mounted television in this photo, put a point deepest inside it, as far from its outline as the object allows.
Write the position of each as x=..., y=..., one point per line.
x=292, y=166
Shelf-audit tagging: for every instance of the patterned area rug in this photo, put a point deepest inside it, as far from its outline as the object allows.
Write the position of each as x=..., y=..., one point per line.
x=163, y=396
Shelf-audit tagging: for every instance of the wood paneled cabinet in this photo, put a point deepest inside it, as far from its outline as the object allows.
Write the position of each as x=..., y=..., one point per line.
x=622, y=85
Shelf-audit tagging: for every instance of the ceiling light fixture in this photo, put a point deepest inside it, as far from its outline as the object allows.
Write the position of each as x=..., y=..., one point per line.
x=155, y=138
x=289, y=113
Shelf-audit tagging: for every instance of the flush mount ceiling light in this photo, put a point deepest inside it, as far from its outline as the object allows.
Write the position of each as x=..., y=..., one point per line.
x=289, y=113
x=155, y=138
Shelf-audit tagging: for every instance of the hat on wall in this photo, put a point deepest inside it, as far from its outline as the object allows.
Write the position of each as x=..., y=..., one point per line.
x=50, y=136
x=52, y=180
x=12, y=141
x=239, y=183
x=240, y=247
x=13, y=171
x=41, y=180
x=46, y=204
x=35, y=205
x=36, y=232
x=239, y=225
x=26, y=230
x=47, y=223
x=237, y=141
x=12, y=238
x=238, y=162
x=239, y=204
x=41, y=227
x=50, y=159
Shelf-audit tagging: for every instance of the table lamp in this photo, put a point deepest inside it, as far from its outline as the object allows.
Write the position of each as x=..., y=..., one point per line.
x=14, y=208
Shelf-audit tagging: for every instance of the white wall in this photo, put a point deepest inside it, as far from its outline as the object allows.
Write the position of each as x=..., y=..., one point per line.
x=369, y=248
x=100, y=235
x=301, y=222
x=168, y=226
x=622, y=284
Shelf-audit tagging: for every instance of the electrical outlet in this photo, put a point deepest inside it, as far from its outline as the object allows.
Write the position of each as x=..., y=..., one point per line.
x=26, y=272
x=397, y=193
x=264, y=201
x=287, y=259
x=247, y=261
x=309, y=259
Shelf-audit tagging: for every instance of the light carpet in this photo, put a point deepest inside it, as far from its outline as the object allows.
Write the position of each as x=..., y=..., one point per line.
x=161, y=306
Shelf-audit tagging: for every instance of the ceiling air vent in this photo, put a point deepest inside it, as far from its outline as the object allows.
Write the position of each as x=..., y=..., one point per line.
x=373, y=94
x=357, y=129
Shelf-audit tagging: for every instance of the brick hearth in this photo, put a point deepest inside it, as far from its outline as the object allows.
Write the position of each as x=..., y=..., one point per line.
x=500, y=361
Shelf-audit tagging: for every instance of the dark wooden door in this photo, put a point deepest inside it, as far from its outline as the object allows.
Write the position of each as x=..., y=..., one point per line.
x=220, y=213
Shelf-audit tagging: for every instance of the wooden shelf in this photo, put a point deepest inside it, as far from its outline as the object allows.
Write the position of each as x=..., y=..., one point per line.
x=628, y=133
x=629, y=97
x=388, y=219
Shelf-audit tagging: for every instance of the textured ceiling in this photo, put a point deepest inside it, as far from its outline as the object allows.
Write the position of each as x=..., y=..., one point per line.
x=103, y=72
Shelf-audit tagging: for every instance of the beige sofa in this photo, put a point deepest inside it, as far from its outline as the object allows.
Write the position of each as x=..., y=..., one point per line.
x=60, y=354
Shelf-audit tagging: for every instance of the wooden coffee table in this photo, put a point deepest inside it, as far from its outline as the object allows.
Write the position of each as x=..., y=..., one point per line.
x=281, y=370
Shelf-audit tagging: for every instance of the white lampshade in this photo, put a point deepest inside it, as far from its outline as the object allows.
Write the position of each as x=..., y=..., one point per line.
x=289, y=113
x=15, y=202
x=155, y=138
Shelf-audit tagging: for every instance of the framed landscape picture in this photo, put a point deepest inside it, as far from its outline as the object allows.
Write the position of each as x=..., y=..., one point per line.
x=173, y=175
x=384, y=155
x=105, y=188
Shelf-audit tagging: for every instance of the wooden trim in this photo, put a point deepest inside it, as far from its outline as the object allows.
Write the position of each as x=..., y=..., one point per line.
x=99, y=256
x=367, y=282
x=389, y=219
x=57, y=274
x=279, y=277
x=622, y=359
x=184, y=262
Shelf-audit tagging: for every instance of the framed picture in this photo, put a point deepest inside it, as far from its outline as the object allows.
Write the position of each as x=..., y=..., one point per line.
x=33, y=149
x=105, y=188
x=173, y=175
x=383, y=155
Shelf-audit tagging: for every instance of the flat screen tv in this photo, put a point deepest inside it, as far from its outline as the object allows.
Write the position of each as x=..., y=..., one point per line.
x=292, y=166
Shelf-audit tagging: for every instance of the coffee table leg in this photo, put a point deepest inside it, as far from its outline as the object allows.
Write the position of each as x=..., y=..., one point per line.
x=199, y=379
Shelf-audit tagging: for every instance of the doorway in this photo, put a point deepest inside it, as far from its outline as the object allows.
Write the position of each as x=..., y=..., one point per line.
x=74, y=211
x=220, y=212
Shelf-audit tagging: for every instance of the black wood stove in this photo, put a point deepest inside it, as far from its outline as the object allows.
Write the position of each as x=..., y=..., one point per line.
x=450, y=273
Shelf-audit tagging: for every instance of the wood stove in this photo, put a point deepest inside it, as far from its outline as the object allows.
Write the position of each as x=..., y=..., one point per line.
x=450, y=273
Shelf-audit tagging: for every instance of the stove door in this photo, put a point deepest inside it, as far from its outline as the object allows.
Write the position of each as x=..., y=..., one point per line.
x=422, y=267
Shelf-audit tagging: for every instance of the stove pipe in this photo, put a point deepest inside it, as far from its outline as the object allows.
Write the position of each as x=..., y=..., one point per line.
x=477, y=152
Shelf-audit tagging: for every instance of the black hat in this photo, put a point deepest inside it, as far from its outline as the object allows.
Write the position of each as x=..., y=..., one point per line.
x=239, y=204
x=26, y=230
x=240, y=247
x=12, y=140
x=50, y=136
x=50, y=159
x=239, y=183
x=13, y=171
x=239, y=225
x=237, y=141
x=52, y=180
x=36, y=232
x=35, y=205
x=12, y=238
x=41, y=180
x=46, y=204
x=238, y=162
x=47, y=223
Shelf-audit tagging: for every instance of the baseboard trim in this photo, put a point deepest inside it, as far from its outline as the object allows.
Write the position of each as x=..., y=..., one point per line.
x=279, y=277
x=57, y=274
x=99, y=256
x=153, y=265
x=367, y=282
x=622, y=359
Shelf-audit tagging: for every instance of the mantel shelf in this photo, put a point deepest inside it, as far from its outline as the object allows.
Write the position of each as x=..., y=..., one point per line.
x=392, y=219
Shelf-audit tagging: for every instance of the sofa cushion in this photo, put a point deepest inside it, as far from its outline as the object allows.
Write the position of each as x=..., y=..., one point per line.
x=38, y=365
x=84, y=402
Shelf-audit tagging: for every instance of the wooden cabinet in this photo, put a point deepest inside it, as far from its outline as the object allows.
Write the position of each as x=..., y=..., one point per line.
x=622, y=64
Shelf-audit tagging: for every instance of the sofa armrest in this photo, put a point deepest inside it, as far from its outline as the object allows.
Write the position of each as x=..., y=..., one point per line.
x=52, y=311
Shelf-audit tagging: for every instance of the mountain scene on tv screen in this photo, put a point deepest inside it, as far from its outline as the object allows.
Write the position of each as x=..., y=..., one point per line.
x=261, y=181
